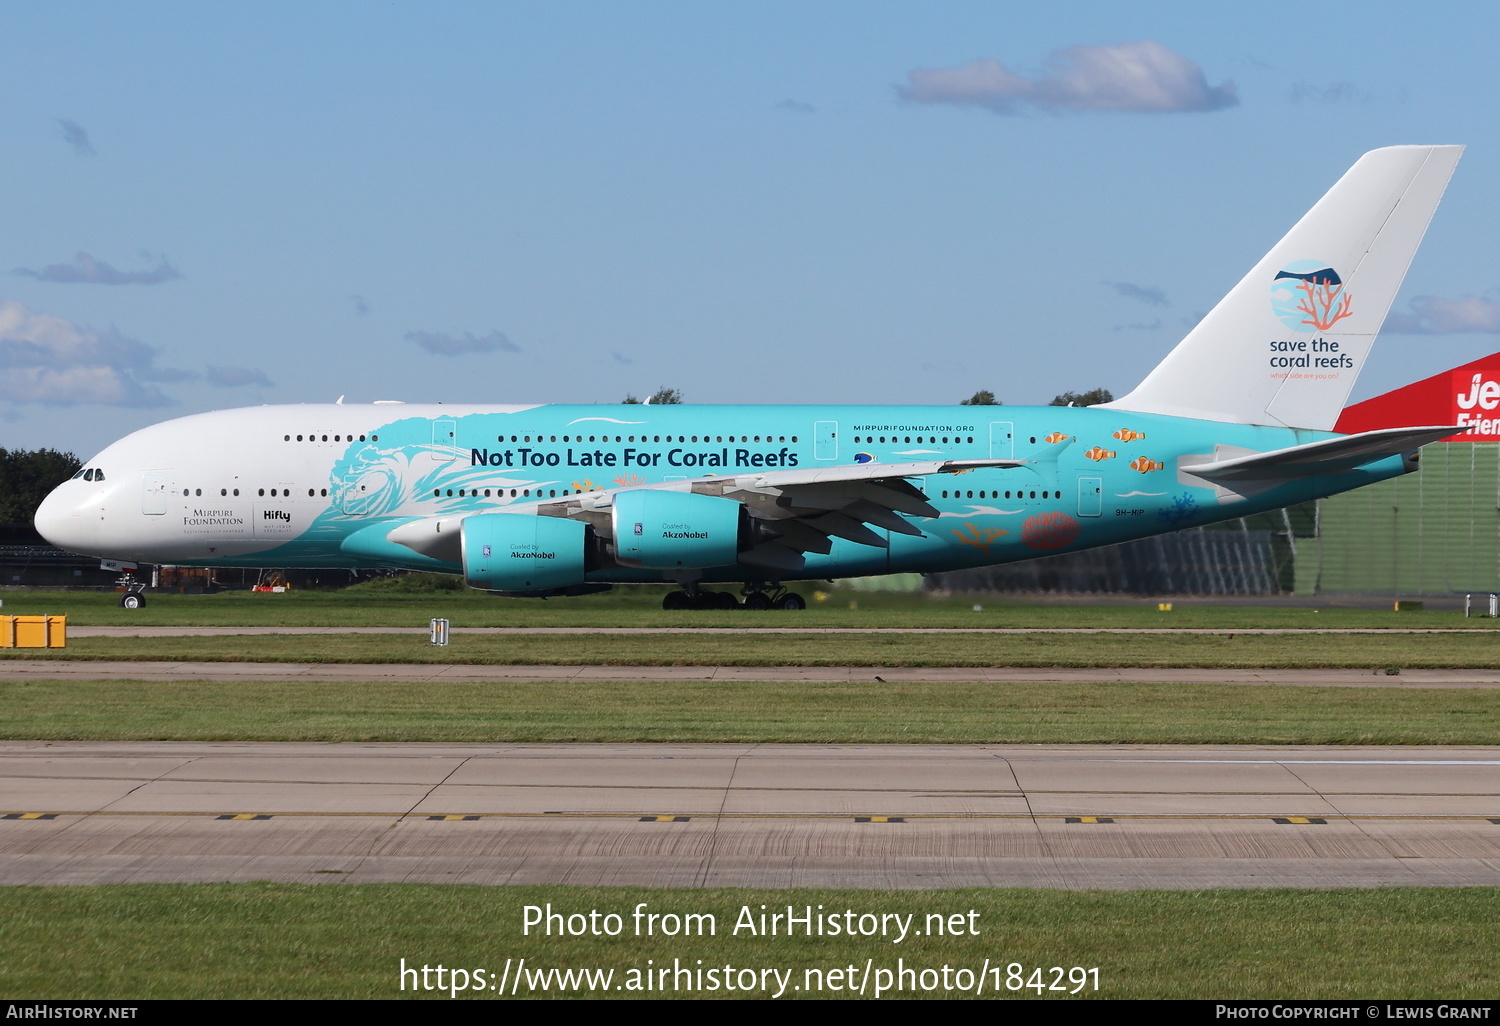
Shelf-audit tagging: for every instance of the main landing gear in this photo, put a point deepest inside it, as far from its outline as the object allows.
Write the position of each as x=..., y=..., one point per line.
x=757, y=596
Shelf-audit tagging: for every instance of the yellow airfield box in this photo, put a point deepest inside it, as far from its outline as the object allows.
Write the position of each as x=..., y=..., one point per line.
x=33, y=632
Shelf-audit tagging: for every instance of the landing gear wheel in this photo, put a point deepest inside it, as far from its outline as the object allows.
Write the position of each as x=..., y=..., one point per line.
x=722, y=600
x=792, y=602
x=757, y=600
x=677, y=600
x=132, y=600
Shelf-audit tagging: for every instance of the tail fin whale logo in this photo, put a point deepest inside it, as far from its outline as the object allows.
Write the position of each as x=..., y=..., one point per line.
x=1309, y=296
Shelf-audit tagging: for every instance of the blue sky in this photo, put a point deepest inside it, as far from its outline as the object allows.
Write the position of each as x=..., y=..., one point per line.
x=212, y=205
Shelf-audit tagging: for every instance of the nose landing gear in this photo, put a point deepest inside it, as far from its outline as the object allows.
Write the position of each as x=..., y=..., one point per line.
x=135, y=591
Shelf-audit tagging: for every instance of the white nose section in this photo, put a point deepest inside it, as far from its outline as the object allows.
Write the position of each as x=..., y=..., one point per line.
x=69, y=518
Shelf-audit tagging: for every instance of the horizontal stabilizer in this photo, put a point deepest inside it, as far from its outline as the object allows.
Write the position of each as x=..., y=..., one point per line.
x=1330, y=456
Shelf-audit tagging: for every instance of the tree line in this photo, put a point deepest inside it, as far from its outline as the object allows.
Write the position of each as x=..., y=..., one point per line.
x=26, y=476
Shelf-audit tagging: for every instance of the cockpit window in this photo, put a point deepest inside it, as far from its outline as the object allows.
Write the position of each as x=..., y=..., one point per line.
x=76, y=476
x=98, y=475
x=88, y=475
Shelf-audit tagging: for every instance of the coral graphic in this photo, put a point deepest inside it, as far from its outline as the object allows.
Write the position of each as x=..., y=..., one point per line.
x=1184, y=507
x=1324, y=303
x=1051, y=530
x=1055, y=437
x=980, y=537
x=629, y=480
x=1129, y=435
x=584, y=486
x=1310, y=296
x=1145, y=464
x=1097, y=453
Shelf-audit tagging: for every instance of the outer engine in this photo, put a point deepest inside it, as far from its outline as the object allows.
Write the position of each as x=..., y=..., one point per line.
x=667, y=530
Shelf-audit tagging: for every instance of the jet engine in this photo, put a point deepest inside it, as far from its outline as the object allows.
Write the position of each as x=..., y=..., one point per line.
x=516, y=552
x=668, y=530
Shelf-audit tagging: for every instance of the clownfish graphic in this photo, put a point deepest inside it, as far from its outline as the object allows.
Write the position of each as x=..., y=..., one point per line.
x=1056, y=436
x=1128, y=435
x=1145, y=466
x=1096, y=454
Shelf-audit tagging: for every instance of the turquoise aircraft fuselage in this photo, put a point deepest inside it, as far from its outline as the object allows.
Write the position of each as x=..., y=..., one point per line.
x=322, y=486
x=552, y=499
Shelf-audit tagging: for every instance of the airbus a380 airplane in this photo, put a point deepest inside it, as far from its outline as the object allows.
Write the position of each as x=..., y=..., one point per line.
x=556, y=500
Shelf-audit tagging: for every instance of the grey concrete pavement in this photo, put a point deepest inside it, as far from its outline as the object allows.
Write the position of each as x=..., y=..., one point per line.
x=751, y=815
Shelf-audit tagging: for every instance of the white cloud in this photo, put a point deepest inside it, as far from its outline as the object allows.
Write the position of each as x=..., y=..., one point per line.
x=449, y=345
x=46, y=359
x=1433, y=315
x=1143, y=76
x=1336, y=92
x=1147, y=294
x=87, y=270
x=1151, y=325
x=75, y=136
x=236, y=377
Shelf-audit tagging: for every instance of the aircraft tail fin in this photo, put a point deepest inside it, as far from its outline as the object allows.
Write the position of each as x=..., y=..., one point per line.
x=1284, y=347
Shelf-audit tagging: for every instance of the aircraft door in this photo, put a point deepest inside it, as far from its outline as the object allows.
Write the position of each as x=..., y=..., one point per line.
x=154, y=496
x=445, y=437
x=1002, y=440
x=826, y=440
x=355, y=496
x=1090, y=496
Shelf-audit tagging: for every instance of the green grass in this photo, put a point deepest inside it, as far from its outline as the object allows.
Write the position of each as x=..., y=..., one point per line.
x=1478, y=649
x=640, y=607
x=284, y=941
x=699, y=711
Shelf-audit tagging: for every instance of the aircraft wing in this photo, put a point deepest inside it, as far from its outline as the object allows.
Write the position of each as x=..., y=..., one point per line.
x=794, y=511
x=1330, y=456
x=799, y=511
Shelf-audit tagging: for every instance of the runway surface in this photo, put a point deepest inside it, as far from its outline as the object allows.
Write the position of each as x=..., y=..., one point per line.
x=13, y=668
x=890, y=816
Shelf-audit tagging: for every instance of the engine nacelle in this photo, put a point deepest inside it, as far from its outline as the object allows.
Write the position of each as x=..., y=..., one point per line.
x=518, y=552
x=670, y=530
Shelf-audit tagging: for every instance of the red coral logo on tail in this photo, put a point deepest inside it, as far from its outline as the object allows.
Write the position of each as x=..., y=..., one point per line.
x=1309, y=296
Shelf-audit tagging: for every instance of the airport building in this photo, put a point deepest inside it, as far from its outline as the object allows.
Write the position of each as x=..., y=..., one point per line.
x=1435, y=532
